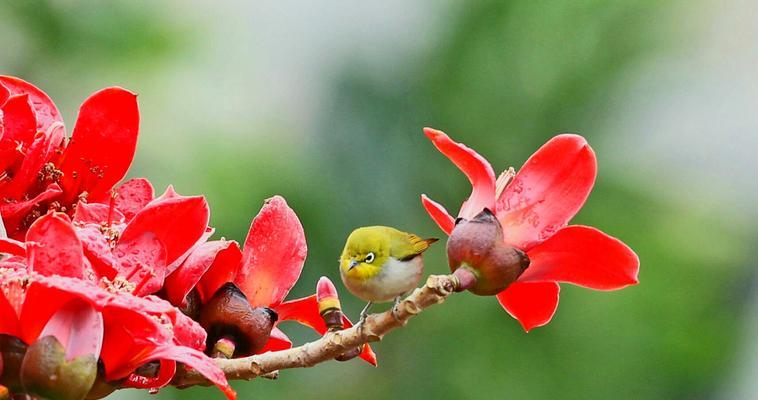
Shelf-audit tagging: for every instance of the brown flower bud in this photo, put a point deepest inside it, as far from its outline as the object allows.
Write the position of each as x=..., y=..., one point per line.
x=12, y=352
x=192, y=307
x=229, y=316
x=477, y=246
x=46, y=373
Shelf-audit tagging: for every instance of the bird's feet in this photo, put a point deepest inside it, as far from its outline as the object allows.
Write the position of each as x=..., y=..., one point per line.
x=364, y=313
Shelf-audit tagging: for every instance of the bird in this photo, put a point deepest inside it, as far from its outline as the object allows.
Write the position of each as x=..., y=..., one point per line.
x=380, y=264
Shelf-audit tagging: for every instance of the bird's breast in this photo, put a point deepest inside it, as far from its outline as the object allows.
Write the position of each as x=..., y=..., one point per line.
x=395, y=278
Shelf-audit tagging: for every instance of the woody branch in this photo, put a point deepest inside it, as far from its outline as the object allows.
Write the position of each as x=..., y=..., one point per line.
x=333, y=344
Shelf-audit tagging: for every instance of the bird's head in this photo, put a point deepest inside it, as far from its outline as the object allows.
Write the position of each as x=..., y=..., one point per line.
x=366, y=251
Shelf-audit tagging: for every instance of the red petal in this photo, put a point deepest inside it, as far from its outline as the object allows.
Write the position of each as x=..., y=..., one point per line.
x=78, y=327
x=142, y=261
x=177, y=222
x=12, y=247
x=367, y=353
x=98, y=251
x=478, y=171
x=547, y=191
x=96, y=213
x=197, y=361
x=166, y=372
x=325, y=290
x=277, y=341
x=584, y=256
x=273, y=255
x=102, y=144
x=305, y=311
x=133, y=195
x=208, y=267
x=19, y=120
x=439, y=214
x=53, y=247
x=4, y=94
x=532, y=304
x=44, y=109
x=9, y=323
x=39, y=152
x=12, y=213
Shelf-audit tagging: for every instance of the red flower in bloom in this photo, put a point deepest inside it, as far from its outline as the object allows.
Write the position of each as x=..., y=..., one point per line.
x=265, y=270
x=38, y=171
x=140, y=239
x=54, y=276
x=533, y=207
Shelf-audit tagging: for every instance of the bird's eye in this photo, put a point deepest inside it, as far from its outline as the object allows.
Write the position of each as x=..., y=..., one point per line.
x=369, y=258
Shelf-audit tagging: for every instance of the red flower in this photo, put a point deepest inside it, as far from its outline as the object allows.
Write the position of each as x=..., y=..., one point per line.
x=534, y=206
x=265, y=270
x=141, y=239
x=135, y=330
x=37, y=172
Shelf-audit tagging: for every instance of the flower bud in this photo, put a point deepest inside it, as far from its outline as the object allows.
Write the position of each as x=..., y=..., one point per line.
x=329, y=304
x=46, y=373
x=477, y=247
x=229, y=316
x=12, y=351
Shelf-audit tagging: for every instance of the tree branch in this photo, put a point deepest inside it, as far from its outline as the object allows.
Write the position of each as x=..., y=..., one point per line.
x=332, y=344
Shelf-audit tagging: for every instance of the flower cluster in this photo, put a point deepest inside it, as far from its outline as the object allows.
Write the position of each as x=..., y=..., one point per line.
x=106, y=285
x=122, y=285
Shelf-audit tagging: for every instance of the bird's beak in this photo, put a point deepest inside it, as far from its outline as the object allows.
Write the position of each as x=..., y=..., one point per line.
x=352, y=265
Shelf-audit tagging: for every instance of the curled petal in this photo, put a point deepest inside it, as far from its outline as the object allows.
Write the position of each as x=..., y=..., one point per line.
x=14, y=213
x=78, y=327
x=53, y=247
x=12, y=247
x=478, y=171
x=533, y=304
x=207, y=268
x=177, y=222
x=439, y=214
x=44, y=109
x=102, y=144
x=547, y=191
x=273, y=254
x=305, y=311
x=197, y=361
x=584, y=256
x=166, y=372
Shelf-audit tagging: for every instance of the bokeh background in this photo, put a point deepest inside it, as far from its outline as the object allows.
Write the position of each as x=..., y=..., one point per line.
x=323, y=102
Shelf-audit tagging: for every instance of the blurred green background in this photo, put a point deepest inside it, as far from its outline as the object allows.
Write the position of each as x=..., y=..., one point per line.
x=323, y=102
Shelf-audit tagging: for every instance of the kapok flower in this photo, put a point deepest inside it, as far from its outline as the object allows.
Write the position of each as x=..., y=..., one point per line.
x=139, y=239
x=534, y=207
x=39, y=171
x=265, y=269
x=136, y=330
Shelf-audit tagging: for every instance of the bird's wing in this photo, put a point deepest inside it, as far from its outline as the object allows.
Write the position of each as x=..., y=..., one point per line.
x=411, y=247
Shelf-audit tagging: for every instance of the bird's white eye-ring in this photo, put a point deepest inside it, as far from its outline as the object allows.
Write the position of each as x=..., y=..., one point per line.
x=369, y=258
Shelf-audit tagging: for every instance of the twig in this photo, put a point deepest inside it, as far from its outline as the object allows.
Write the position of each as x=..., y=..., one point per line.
x=332, y=344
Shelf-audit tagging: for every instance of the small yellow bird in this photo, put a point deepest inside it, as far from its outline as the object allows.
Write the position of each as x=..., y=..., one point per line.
x=380, y=264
